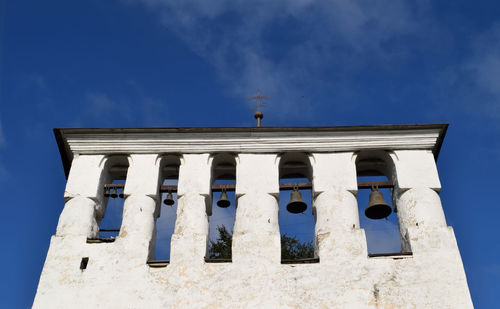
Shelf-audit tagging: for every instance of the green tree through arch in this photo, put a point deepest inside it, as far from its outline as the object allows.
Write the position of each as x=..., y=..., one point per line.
x=291, y=247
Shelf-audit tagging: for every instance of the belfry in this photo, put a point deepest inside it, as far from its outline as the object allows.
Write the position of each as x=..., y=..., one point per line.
x=86, y=269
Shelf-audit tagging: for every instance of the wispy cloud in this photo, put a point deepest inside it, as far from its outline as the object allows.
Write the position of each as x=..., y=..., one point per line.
x=100, y=105
x=153, y=112
x=485, y=60
x=136, y=108
x=322, y=37
x=483, y=68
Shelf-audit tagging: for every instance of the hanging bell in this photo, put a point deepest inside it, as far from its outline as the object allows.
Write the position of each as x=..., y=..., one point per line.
x=114, y=194
x=377, y=207
x=169, y=200
x=223, y=201
x=121, y=195
x=296, y=204
x=106, y=191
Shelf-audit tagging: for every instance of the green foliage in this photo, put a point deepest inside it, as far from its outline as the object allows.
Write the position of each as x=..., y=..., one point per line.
x=221, y=248
x=291, y=247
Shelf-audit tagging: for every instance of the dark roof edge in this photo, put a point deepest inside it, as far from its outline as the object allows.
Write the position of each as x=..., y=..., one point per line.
x=62, y=150
x=252, y=129
x=65, y=153
x=439, y=142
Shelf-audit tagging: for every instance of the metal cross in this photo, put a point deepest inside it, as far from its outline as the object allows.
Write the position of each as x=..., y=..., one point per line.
x=259, y=98
x=260, y=103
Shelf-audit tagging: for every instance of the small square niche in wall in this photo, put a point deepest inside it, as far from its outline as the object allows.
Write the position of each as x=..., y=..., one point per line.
x=84, y=262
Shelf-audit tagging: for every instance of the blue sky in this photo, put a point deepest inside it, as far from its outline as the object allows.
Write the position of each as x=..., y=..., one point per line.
x=144, y=63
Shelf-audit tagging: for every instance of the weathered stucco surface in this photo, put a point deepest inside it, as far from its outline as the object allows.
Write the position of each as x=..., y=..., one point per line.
x=117, y=275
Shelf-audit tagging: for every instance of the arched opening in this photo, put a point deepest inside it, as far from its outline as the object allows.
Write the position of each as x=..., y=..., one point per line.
x=165, y=223
x=110, y=218
x=296, y=219
x=223, y=210
x=376, y=212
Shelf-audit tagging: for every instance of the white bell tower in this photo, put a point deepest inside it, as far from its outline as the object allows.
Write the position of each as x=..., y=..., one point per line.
x=83, y=269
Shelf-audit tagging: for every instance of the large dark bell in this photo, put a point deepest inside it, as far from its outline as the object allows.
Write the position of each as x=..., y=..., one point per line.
x=169, y=200
x=377, y=207
x=121, y=195
x=296, y=204
x=223, y=201
x=114, y=194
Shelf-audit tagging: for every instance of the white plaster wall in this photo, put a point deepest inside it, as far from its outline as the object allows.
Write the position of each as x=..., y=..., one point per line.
x=113, y=280
x=117, y=275
x=416, y=168
x=86, y=177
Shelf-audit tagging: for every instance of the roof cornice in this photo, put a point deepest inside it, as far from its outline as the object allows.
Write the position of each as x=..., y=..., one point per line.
x=250, y=140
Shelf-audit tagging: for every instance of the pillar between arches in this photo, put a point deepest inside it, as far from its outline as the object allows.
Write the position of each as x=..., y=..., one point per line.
x=138, y=231
x=421, y=219
x=416, y=195
x=337, y=233
x=256, y=236
x=83, y=194
x=78, y=218
x=190, y=239
x=338, y=236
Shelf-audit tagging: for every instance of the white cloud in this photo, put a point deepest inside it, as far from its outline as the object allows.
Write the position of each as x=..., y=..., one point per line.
x=234, y=37
x=153, y=112
x=113, y=110
x=100, y=105
x=484, y=64
x=477, y=78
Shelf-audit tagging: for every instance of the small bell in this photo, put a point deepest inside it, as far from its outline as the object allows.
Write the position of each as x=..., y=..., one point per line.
x=296, y=204
x=223, y=201
x=121, y=195
x=114, y=194
x=106, y=191
x=377, y=207
x=169, y=200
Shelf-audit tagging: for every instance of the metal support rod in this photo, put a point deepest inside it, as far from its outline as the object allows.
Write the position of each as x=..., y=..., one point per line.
x=283, y=186
x=115, y=185
x=259, y=115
